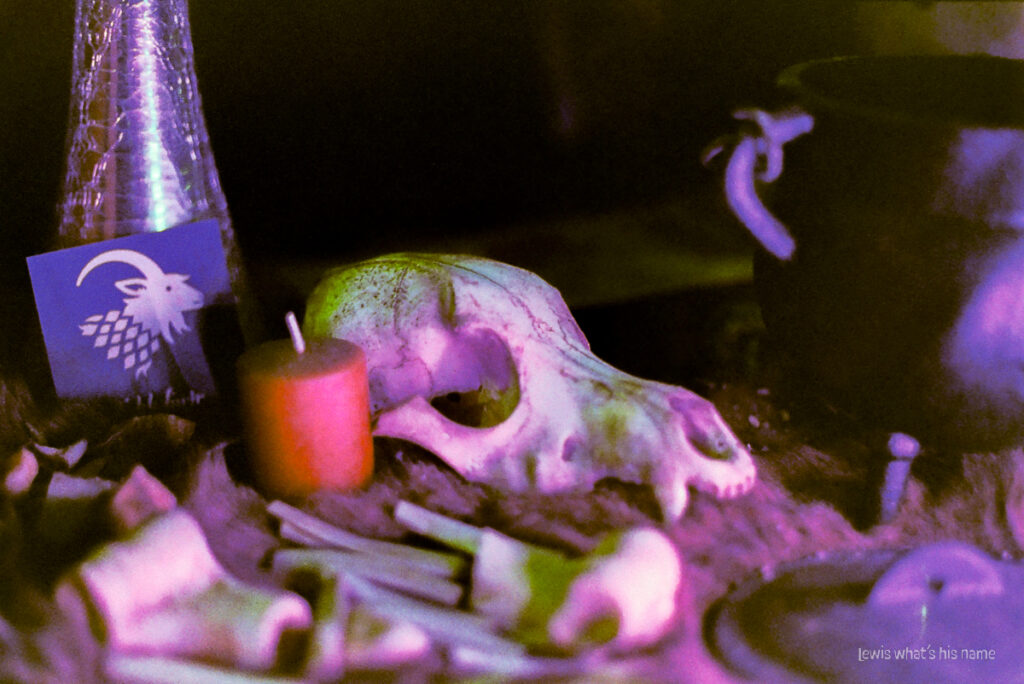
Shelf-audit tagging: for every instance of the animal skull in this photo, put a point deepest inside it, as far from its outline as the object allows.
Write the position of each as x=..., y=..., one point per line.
x=553, y=417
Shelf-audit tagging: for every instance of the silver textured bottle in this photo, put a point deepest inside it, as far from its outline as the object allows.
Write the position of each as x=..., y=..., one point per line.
x=139, y=158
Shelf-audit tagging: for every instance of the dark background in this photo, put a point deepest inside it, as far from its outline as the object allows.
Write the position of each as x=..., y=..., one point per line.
x=335, y=123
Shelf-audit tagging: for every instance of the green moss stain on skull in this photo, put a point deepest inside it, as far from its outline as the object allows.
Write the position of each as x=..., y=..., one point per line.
x=550, y=576
x=612, y=423
x=373, y=294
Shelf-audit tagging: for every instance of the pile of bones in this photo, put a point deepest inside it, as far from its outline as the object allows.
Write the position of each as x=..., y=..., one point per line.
x=476, y=363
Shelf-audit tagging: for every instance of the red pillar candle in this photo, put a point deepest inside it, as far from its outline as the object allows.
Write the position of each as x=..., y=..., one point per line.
x=306, y=412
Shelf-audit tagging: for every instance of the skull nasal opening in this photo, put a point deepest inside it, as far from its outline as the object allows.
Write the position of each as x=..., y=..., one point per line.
x=485, y=390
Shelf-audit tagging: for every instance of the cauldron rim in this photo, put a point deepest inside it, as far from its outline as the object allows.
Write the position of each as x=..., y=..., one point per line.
x=919, y=90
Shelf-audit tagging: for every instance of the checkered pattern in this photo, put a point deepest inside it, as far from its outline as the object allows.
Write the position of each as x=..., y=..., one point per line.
x=122, y=338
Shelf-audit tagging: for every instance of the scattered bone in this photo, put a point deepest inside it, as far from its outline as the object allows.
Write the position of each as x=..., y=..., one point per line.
x=140, y=498
x=444, y=623
x=622, y=594
x=347, y=633
x=161, y=591
x=633, y=578
x=297, y=535
x=64, y=486
x=449, y=626
x=62, y=458
x=20, y=472
x=309, y=530
x=377, y=569
x=125, y=668
x=437, y=326
x=375, y=642
x=325, y=659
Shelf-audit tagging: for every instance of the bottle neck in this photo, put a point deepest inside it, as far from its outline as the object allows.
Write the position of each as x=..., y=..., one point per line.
x=138, y=153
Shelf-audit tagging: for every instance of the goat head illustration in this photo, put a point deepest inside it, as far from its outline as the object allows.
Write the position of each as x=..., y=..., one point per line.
x=153, y=309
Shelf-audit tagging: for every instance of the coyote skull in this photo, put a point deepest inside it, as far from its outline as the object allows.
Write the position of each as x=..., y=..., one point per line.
x=543, y=411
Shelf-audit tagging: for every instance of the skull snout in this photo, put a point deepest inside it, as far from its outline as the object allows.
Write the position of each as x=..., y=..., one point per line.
x=703, y=427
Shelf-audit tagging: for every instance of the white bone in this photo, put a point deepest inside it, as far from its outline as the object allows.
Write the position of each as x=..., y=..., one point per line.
x=637, y=584
x=436, y=324
x=161, y=591
x=139, y=498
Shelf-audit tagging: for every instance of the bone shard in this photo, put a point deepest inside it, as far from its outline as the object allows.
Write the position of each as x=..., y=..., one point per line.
x=61, y=458
x=374, y=642
x=632, y=579
x=162, y=592
x=377, y=569
x=622, y=595
x=308, y=530
x=147, y=669
x=138, y=499
x=346, y=632
x=19, y=472
x=435, y=326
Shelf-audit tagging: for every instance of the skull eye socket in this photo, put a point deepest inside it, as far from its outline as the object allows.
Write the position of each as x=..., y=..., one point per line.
x=483, y=387
x=479, y=408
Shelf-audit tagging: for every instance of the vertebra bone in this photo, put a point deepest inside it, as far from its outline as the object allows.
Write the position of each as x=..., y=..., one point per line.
x=558, y=418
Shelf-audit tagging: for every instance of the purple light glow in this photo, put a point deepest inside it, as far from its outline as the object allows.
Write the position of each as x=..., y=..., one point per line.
x=985, y=349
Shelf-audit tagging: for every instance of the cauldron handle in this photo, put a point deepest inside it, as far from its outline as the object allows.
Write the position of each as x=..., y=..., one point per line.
x=757, y=155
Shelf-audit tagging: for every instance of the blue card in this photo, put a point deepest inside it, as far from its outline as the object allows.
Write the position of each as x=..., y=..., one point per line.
x=124, y=317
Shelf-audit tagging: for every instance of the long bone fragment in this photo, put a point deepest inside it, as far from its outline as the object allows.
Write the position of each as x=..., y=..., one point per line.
x=306, y=529
x=623, y=594
x=140, y=497
x=348, y=631
x=162, y=592
x=377, y=569
x=554, y=416
x=125, y=668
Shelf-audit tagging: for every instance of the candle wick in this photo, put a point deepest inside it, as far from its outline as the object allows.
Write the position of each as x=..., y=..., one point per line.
x=293, y=329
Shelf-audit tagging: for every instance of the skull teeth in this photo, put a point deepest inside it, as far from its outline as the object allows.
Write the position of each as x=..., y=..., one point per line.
x=727, y=491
